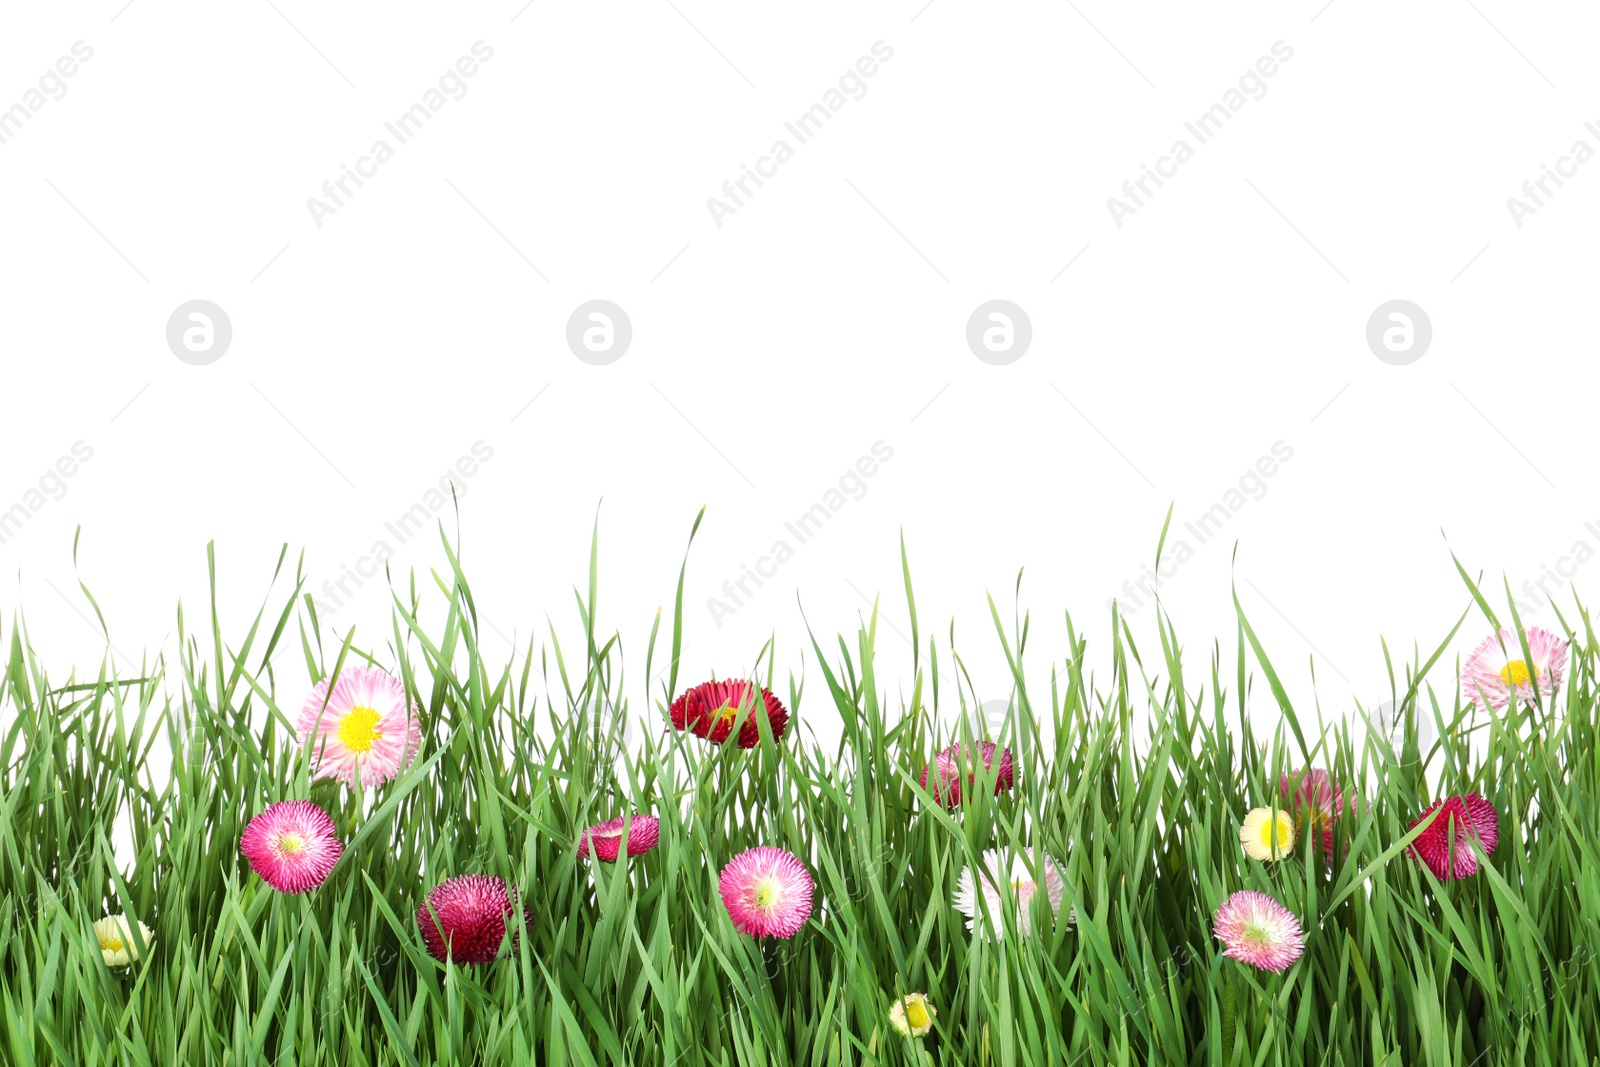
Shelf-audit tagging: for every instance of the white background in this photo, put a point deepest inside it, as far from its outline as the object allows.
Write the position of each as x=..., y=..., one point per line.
x=828, y=313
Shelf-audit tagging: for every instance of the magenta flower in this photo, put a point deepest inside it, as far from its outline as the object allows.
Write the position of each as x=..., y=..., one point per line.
x=1316, y=803
x=606, y=838
x=1496, y=670
x=1469, y=818
x=1258, y=930
x=293, y=845
x=475, y=912
x=959, y=763
x=767, y=892
x=364, y=727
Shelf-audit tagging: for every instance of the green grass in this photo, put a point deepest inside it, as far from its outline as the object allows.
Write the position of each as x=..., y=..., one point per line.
x=638, y=964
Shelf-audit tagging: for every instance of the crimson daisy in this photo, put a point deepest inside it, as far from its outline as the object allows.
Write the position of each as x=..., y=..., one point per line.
x=1467, y=819
x=710, y=709
x=474, y=913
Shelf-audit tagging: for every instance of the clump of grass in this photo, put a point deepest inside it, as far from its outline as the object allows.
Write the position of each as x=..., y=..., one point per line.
x=637, y=963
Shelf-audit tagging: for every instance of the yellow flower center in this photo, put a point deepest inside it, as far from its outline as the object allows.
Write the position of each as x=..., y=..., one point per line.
x=728, y=715
x=916, y=1015
x=766, y=896
x=113, y=945
x=359, y=729
x=1515, y=673
x=1275, y=833
x=291, y=843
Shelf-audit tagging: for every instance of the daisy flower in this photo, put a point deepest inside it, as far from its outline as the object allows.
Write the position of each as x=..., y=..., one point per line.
x=950, y=766
x=1315, y=803
x=292, y=845
x=1258, y=930
x=1468, y=818
x=1496, y=670
x=767, y=892
x=1003, y=881
x=1267, y=834
x=710, y=709
x=475, y=912
x=115, y=936
x=364, y=727
x=912, y=1015
x=605, y=839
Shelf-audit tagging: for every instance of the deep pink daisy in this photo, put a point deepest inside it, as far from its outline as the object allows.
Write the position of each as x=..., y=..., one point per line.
x=1496, y=670
x=475, y=911
x=767, y=892
x=606, y=837
x=1315, y=803
x=710, y=709
x=953, y=765
x=292, y=845
x=365, y=727
x=1468, y=818
x=1258, y=930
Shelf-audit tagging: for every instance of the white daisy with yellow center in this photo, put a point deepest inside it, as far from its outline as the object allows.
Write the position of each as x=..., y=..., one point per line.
x=912, y=1015
x=117, y=945
x=1267, y=834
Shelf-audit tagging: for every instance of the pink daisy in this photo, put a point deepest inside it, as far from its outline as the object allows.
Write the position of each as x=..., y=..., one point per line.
x=1005, y=880
x=710, y=709
x=953, y=764
x=1496, y=668
x=606, y=837
x=1468, y=818
x=364, y=729
x=1258, y=930
x=1315, y=804
x=475, y=912
x=292, y=845
x=767, y=892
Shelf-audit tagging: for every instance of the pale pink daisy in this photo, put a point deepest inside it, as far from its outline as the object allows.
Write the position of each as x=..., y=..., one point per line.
x=364, y=729
x=466, y=918
x=1467, y=819
x=1006, y=881
x=1258, y=930
x=606, y=838
x=1496, y=673
x=293, y=845
x=767, y=892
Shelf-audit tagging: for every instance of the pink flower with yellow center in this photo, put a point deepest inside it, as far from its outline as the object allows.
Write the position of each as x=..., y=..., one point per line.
x=363, y=730
x=1469, y=818
x=959, y=763
x=467, y=918
x=710, y=709
x=293, y=845
x=1315, y=804
x=1257, y=930
x=767, y=892
x=605, y=839
x=1496, y=674
x=1012, y=882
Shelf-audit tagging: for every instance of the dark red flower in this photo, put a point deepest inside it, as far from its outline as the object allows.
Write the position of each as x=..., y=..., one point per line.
x=1466, y=818
x=954, y=764
x=709, y=710
x=474, y=912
